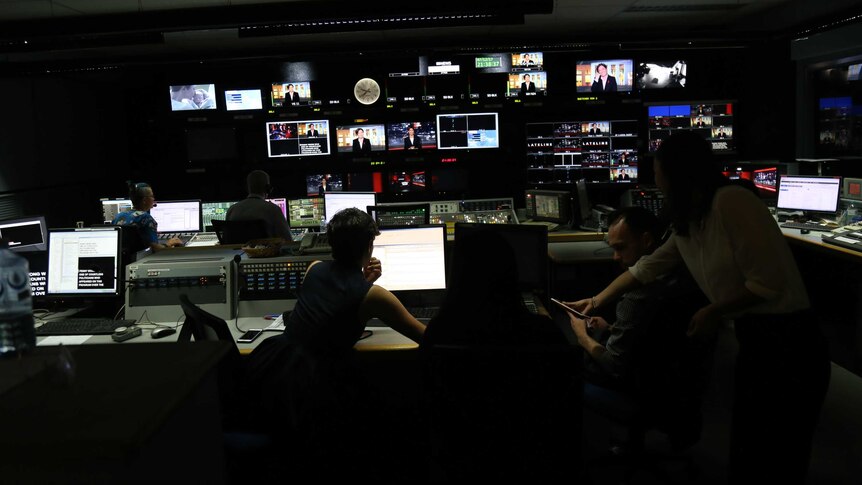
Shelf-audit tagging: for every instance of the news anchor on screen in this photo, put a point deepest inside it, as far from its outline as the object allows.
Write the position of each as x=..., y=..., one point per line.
x=412, y=141
x=311, y=131
x=528, y=86
x=603, y=83
x=360, y=143
x=291, y=96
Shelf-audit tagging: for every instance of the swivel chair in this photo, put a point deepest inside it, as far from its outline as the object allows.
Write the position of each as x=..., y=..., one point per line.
x=239, y=232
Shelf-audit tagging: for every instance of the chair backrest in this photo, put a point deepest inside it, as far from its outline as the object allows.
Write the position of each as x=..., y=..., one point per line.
x=239, y=232
x=503, y=409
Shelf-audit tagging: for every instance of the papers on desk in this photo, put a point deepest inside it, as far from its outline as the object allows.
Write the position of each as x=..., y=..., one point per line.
x=277, y=325
x=63, y=340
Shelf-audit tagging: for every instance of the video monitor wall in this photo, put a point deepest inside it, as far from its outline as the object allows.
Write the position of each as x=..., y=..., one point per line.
x=291, y=93
x=711, y=120
x=360, y=139
x=604, y=76
x=190, y=97
x=604, y=150
x=423, y=137
x=242, y=99
x=466, y=131
x=661, y=74
x=297, y=138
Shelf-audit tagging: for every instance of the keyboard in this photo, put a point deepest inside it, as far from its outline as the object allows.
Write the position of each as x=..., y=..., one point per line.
x=82, y=326
x=811, y=226
x=315, y=243
x=203, y=239
x=182, y=236
x=423, y=312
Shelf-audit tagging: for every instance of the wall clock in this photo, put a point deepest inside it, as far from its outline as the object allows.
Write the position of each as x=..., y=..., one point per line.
x=366, y=91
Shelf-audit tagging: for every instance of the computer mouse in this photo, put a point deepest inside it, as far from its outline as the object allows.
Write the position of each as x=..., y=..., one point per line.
x=162, y=332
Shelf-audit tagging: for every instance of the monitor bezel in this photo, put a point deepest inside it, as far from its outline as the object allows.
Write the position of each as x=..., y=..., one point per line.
x=30, y=248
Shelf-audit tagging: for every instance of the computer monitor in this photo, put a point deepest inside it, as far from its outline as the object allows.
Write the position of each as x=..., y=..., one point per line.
x=808, y=193
x=549, y=205
x=178, y=215
x=413, y=258
x=297, y=138
x=281, y=203
x=336, y=201
x=306, y=212
x=401, y=215
x=214, y=210
x=466, y=131
x=25, y=235
x=530, y=244
x=242, y=99
x=348, y=138
x=112, y=207
x=84, y=262
x=190, y=97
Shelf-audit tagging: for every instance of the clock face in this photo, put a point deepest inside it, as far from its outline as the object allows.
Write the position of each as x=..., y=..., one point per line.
x=366, y=91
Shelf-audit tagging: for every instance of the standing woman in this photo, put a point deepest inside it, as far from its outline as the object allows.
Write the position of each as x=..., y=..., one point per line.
x=737, y=254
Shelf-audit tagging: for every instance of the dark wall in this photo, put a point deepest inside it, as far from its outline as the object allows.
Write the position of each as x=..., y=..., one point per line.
x=84, y=135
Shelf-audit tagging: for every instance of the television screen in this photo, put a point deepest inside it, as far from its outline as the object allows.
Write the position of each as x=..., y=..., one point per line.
x=297, y=138
x=711, y=120
x=399, y=138
x=809, y=193
x=604, y=76
x=281, y=203
x=214, y=210
x=528, y=61
x=464, y=131
x=766, y=179
x=112, y=207
x=449, y=180
x=401, y=182
x=360, y=139
x=187, y=97
x=29, y=234
x=661, y=75
x=365, y=182
x=321, y=183
x=242, y=99
x=290, y=94
x=530, y=83
x=624, y=175
x=305, y=212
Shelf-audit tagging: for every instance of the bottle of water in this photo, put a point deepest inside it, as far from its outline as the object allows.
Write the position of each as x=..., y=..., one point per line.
x=17, y=330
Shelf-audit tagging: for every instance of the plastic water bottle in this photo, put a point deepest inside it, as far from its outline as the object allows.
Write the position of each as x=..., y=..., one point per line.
x=17, y=329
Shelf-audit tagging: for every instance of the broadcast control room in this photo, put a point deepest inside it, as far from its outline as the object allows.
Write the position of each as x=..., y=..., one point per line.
x=135, y=133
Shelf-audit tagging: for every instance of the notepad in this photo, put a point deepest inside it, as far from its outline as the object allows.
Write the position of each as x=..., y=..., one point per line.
x=277, y=325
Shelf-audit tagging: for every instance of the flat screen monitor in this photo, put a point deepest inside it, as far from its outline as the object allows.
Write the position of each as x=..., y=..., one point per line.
x=530, y=245
x=766, y=179
x=713, y=120
x=178, y=216
x=297, y=138
x=469, y=130
x=624, y=175
x=291, y=93
x=190, y=97
x=242, y=99
x=214, y=210
x=25, y=235
x=84, y=262
x=407, y=181
x=549, y=205
x=414, y=258
x=809, y=193
x=281, y=203
x=365, y=182
x=112, y=207
x=527, y=83
x=604, y=76
x=336, y=201
x=306, y=212
x=360, y=139
x=528, y=61
x=319, y=184
x=424, y=136
x=661, y=74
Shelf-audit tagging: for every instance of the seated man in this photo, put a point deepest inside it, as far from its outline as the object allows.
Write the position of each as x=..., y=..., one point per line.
x=632, y=232
x=255, y=206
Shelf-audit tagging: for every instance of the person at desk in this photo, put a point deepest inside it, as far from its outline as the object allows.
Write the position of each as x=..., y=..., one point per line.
x=141, y=195
x=736, y=253
x=360, y=143
x=412, y=141
x=308, y=376
x=255, y=206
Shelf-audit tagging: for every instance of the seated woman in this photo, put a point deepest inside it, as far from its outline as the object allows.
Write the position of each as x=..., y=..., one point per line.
x=308, y=378
x=141, y=195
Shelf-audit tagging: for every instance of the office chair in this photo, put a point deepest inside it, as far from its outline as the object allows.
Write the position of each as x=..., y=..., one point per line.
x=401, y=215
x=665, y=393
x=507, y=412
x=239, y=232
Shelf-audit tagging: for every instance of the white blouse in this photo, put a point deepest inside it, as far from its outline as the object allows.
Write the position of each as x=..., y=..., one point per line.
x=738, y=243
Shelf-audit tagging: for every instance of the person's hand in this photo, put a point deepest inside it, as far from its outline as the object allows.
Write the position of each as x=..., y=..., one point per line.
x=174, y=242
x=583, y=306
x=598, y=323
x=578, y=325
x=372, y=270
x=704, y=323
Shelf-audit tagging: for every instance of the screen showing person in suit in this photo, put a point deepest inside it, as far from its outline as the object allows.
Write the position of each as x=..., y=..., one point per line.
x=411, y=135
x=361, y=139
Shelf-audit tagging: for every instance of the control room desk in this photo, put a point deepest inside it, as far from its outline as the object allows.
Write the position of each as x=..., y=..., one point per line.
x=131, y=413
